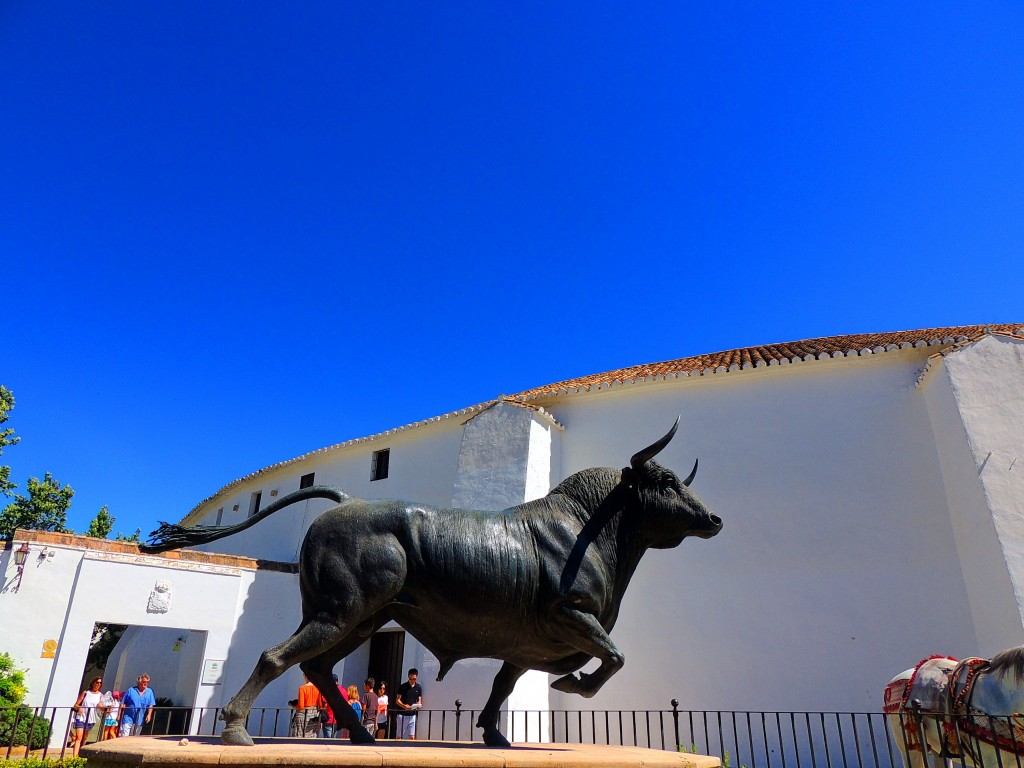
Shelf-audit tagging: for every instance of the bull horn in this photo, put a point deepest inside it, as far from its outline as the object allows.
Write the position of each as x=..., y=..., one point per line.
x=642, y=457
x=692, y=475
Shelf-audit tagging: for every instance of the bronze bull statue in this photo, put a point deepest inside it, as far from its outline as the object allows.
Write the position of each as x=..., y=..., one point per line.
x=537, y=585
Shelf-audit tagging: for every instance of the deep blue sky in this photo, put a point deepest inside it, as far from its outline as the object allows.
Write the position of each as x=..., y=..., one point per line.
x=231, y=233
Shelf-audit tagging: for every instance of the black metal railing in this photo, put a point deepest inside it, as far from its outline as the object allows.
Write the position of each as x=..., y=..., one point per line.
x=741, y=739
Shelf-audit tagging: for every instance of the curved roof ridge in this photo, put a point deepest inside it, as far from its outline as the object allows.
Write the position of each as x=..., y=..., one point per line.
x=779, y=353
x=762, y=355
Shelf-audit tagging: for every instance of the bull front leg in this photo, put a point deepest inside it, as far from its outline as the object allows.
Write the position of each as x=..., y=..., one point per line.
x=311, y=639
x=584, y=632
x=501, y=689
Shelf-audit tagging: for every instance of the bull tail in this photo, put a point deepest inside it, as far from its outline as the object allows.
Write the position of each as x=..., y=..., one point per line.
x=169, y=536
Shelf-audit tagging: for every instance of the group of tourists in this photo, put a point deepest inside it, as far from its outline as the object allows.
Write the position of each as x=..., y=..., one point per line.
x=124, y=714
x=313, y=717
x=120, y=714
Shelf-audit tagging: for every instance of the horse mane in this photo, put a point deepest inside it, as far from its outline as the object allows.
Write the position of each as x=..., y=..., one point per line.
x=1011, y=659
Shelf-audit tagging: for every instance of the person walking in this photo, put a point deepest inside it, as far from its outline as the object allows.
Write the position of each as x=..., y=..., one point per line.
x=85, y=712
x=110, y=715
x=137, y=707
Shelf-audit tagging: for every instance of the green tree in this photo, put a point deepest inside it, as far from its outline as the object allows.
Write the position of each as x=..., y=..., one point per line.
x=7, y=437
x=133, y=538
x=102, y=524
x=45, y=508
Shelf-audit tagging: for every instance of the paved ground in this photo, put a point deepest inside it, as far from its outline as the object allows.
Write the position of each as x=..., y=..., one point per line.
x=206, y=750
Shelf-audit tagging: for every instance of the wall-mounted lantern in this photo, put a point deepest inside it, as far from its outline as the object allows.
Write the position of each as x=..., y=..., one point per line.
x=20, y=556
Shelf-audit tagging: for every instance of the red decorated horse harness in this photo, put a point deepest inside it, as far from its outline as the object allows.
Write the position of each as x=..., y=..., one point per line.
x=1006, y=733
x=959, y=719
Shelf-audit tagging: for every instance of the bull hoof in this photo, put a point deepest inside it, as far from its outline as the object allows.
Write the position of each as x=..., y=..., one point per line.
x=361, y=736
x=582, y=685
x=493, y=738
x=236, y=736
x=568, y=684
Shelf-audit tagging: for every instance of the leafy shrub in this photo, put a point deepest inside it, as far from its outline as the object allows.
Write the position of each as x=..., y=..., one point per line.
x=15, y=720
x=12, y=682
x=15, y=723
x=38, y=762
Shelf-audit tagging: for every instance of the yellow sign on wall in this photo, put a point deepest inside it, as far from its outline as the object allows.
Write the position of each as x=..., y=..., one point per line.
x=49, y=649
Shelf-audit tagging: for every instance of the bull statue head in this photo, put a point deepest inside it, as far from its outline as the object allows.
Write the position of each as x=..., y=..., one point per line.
x=674, y=510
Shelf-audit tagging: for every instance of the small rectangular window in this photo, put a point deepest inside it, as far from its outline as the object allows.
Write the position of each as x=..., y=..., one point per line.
x=220, y=516
x=379, y=465
x=306, y=481
x=254, y=503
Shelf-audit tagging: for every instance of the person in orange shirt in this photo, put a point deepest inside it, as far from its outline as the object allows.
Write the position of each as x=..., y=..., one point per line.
x=306, y=721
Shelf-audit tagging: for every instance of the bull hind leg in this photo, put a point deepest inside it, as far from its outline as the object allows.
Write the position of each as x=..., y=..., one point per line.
x=318, y=670
x=313, y=637
x=502, y=687
x=584, y=632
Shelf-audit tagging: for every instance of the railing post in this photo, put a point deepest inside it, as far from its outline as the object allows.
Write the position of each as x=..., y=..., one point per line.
x=675, y=720
x=458, y=717
x=915, y=705
x=14, y=730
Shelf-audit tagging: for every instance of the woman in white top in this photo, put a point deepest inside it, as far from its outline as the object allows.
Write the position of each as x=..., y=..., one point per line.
x=85, y=712
x=382, y=711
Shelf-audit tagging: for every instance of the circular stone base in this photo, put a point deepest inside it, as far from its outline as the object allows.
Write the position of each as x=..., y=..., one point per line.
x=208, y=751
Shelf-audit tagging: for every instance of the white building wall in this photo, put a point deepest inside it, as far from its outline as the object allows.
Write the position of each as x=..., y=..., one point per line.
x=35, y=613
x=836, y=567
x=986, y=381
x=268, y=612
x=64, y=595
x=872, y=516
x=423, y=463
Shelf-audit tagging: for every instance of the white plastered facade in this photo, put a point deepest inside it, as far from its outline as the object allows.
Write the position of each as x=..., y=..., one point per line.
x=873, y=509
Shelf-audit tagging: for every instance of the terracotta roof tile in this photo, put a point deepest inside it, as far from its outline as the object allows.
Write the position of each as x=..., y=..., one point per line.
x=775, y=354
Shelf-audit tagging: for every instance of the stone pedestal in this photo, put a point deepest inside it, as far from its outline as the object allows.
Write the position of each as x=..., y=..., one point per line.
x=159, y=751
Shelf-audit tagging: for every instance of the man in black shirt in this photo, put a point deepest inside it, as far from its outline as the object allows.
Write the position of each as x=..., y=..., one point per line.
x=410, y=699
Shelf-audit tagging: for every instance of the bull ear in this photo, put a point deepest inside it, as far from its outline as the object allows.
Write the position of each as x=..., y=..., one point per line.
x=628, y=476
x=642, y=457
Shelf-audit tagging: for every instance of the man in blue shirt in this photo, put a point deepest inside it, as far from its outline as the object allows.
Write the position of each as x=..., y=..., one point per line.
x=137, y=707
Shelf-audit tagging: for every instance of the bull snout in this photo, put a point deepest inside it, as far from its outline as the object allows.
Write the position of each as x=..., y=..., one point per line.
x=712, y=526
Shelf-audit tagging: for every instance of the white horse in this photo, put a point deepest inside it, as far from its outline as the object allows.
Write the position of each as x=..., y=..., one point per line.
x=968, y=710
